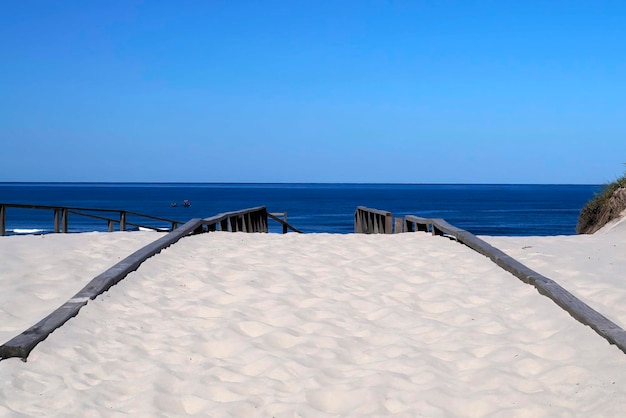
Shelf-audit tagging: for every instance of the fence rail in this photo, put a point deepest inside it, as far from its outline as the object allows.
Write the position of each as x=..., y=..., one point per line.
x=578, y=309
x=60, y=216
x=372, y=221
x=247, y=220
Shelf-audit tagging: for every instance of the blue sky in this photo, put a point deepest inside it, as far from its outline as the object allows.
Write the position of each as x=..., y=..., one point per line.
x=313, y=91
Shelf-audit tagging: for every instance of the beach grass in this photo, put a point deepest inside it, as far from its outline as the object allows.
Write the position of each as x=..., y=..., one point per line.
x=601, y=209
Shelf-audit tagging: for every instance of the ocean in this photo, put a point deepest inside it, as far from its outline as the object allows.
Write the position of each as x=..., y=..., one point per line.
x=514, y=210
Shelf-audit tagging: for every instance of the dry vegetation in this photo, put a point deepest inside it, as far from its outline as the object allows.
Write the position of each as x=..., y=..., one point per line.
x=603, y=208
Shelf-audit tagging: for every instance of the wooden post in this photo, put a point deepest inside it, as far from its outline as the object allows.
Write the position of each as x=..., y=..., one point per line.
x=3, y=220
x=388, y=223
x=285, y=224
x=398, y=226
x=57, y=220
x=110, y=225
x=122, y=220
x=64, y=219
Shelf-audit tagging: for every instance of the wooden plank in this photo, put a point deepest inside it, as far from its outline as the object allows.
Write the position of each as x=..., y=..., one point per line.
x=372, y=221
x=578, y=309
x=64, y=220
x=376, y=211
x=60, y=210
x=232, y=221
x=545, y=286
x=418, y=224
x=285, y=224
x=122, y=220
x=3, y=220
x=398, y=225
x=282, y=215
x=23, y=344
x=57, y=220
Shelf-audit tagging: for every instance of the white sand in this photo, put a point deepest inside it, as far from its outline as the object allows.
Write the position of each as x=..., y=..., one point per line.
x=592, y=267
x=262, y=325
x=38, y=273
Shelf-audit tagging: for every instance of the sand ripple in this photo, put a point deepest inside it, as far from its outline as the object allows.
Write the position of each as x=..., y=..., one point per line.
x=319, y=326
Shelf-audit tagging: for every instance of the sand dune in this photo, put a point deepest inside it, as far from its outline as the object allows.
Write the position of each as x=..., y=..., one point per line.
x=319, y=325
x=592, y=267
x=40, y=272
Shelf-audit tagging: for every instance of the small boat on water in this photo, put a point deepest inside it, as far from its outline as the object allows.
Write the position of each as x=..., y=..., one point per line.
x=186, y=203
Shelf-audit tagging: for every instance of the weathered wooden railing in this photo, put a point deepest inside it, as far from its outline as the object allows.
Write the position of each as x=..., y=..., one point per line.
x=61, y=214
x=379, y=221
x=286, y=227
x=247, y=220
x=372, y=221
x=436, y=226
x=578, y=309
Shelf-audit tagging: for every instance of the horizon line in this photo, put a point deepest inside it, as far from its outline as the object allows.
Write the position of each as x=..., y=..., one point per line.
x=303, y=183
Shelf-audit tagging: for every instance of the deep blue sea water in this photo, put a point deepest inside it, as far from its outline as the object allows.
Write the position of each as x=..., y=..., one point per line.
x=481, y=209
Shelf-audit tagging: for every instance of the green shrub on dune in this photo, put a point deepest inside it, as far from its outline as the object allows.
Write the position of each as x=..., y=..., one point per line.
x=603, y=208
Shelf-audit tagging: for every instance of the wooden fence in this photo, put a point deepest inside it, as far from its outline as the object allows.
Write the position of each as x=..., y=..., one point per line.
x=378, y=221
x=578, y=309
x=60, y=217
x=372, y=221
x=247, y=220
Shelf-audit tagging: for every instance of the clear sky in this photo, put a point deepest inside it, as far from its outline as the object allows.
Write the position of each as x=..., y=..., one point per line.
x=313, y=91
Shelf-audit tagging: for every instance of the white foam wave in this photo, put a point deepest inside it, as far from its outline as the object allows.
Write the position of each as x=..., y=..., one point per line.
x=26, y=231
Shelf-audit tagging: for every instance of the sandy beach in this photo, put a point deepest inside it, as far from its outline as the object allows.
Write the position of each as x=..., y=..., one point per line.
x=316, y=325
